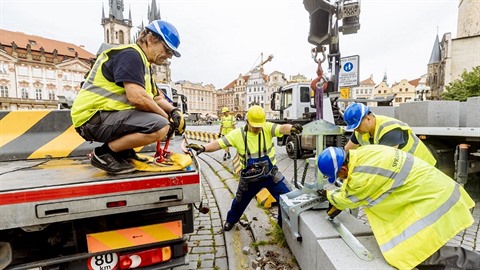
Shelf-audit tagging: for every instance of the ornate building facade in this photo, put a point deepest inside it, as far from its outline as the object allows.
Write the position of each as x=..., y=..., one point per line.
x=36, y=72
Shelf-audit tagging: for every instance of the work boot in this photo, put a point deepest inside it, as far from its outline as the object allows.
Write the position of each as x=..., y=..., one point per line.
x=228, y=226
x=131, y=154
x=111, y=164
x=224, y=156
x=228, y=155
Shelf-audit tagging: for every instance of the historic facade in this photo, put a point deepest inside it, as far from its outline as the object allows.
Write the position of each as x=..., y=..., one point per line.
x=36, y=72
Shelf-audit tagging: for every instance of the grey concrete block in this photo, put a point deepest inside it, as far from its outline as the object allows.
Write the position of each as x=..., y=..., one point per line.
x=314, y=227
x=335, y=254
x=387, y=111
x=473, y=112
x=430, y=113
x=463, y=114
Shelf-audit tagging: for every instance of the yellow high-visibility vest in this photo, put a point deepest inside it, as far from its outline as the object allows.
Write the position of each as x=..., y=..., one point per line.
x=228, y=124
x=99, y=94
x=412, y=207
x=385, y=124
x=235, y=139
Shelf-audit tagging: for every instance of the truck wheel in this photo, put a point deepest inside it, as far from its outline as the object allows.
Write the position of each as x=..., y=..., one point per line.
x=290, y=147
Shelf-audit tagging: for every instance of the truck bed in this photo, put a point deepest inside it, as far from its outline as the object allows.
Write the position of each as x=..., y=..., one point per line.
x=41, y=191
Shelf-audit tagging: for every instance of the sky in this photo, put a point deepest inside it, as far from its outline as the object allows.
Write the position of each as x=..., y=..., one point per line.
x=221, y=39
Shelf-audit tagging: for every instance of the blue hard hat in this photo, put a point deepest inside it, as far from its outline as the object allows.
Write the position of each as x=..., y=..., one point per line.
x=330, y=161
x=168, y=33
x=354, y=114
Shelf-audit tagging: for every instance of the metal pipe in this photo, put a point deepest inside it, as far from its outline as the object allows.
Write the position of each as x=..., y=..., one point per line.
x=462, y=164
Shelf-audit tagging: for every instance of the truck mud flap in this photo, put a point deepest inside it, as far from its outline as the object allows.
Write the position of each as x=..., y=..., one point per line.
x=5, y=254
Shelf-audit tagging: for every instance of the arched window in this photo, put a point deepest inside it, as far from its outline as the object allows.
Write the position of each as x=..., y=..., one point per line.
x=121, y=37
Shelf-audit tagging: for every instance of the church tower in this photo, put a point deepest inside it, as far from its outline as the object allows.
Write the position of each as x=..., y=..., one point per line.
x=116, y=29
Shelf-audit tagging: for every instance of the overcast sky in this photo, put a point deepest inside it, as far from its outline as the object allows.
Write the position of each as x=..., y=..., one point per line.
x=222, y=38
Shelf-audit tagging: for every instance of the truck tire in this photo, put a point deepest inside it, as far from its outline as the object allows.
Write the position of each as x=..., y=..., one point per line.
x=290, y=147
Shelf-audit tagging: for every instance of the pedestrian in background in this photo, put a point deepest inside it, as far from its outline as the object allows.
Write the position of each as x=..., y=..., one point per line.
x=413, y=208
x=378, y=129
x=255, y=147
x=119, y=103
x=227, y=124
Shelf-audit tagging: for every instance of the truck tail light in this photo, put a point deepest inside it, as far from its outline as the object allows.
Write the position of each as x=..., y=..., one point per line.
x=116, y=204
x=145, y=258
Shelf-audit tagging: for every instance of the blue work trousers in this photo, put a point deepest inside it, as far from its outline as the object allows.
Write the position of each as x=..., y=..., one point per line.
x=238, y=207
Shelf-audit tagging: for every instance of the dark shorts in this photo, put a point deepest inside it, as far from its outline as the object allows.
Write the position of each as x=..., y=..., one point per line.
x=107, y=126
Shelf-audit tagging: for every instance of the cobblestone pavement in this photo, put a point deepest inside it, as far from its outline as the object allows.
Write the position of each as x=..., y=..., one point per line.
x=207, y=244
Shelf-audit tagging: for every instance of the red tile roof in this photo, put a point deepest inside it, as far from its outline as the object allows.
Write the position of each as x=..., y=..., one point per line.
x=368, y=81
x=414, y=82
x=37, y=42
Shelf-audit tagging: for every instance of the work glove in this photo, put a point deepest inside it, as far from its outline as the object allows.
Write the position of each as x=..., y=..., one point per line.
x=178, y=120
x=296, y=129
x=219, y=134
x=322, y=193
x=332, y=211
x=198, y=148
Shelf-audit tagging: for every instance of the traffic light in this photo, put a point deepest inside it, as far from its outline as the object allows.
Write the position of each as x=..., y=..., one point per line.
x=320, y=21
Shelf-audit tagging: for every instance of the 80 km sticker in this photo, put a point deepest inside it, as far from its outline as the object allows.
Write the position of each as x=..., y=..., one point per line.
x=103, y=262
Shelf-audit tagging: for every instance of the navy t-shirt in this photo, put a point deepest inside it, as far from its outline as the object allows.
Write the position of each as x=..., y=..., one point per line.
x=124, y=66
x=394, y=137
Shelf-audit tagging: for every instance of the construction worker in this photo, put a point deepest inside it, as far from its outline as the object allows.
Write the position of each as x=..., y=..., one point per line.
x=378, y=129
x=256, y=150
x=227, y=124
x=119, y=103
x=413, y=208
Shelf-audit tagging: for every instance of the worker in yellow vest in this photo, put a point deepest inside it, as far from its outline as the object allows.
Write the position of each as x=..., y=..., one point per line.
x=227, y=124
x=378, y=129
x=254, y=144
x=413, y=208
x=119, y=103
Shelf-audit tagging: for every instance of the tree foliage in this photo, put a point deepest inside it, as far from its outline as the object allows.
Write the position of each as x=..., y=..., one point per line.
x=467, y=86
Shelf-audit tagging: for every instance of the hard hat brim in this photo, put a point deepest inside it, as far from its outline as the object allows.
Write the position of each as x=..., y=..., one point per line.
x=257, y=124
x=354, y=126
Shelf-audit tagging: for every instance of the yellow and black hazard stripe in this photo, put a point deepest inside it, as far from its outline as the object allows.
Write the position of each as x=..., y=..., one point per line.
x=41, y=134
x=201, y=135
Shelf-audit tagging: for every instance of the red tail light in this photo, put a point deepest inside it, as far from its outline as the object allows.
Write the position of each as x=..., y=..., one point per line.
x=116, y=204
x=145, y=258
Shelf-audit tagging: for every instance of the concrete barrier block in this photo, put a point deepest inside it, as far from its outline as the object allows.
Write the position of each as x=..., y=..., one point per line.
x=314, y=228
x=387, y=111
x=430, y=113
x=473, y=112
x=335, y=254
x=463, y=114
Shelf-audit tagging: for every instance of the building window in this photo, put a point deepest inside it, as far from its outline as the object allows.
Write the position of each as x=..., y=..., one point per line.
x=23, y=71
x=3, y=91
x=3, y=68
x=51, y=95
x=38, y=94
x=384, y=91
x=400, y=89
x=37, y=72
x=24, y=93
x=379, y=91
x=50, y=74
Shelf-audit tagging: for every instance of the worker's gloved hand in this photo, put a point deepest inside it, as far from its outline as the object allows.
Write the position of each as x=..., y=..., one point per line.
x=322, y=193
x=332, y=211
x=198, y=148
x=176, y=117
x=219, y=134
x=296, y=129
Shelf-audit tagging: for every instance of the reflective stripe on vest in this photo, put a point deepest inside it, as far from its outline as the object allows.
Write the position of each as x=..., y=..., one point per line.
x=424, y=222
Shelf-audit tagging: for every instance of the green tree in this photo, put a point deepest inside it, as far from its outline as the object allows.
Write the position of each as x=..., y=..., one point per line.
x=467, y=86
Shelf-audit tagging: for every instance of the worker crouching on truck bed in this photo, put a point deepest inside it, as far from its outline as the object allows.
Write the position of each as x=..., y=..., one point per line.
x=378, y=129
x=119, y=103
x=413, y=208
x=256, y=150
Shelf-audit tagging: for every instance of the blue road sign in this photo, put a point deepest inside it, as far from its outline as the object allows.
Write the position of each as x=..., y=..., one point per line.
x=348, y=66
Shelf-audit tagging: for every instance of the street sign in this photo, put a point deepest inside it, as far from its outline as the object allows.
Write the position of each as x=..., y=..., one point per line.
x=349, y=69
x=345, y=92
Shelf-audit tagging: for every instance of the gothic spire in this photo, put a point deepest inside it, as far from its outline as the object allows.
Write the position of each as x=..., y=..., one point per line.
x=435, y=56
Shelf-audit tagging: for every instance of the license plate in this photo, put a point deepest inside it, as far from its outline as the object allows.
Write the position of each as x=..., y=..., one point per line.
x=103, y=262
